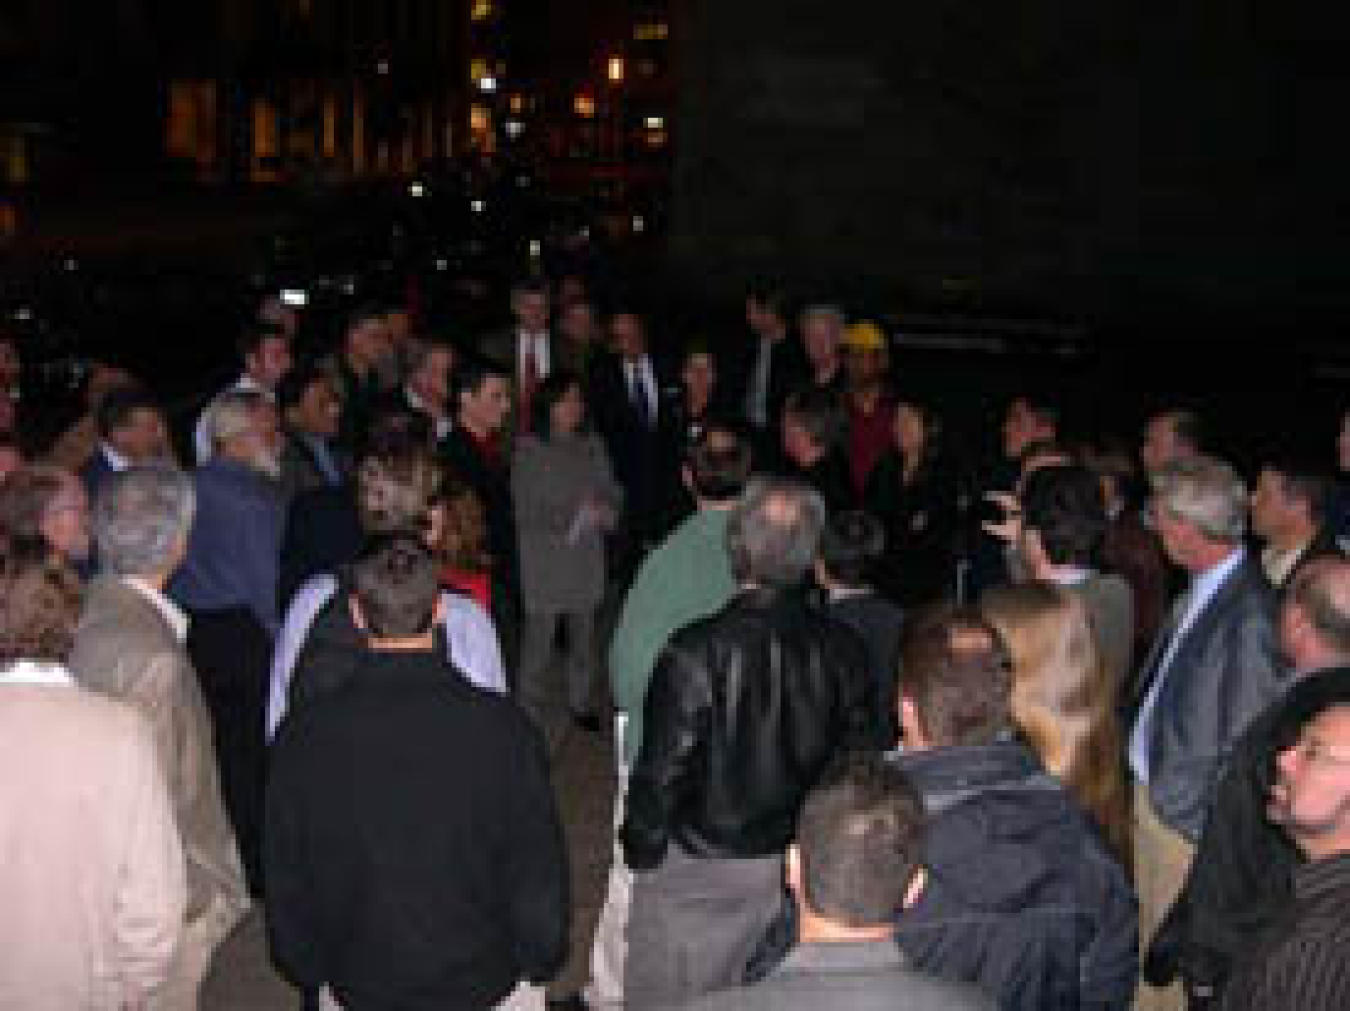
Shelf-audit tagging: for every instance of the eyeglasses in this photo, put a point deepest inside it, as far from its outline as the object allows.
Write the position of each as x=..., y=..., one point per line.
x=1314, y=751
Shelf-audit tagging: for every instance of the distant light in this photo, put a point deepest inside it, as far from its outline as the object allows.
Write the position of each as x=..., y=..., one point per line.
x=513, y=127
x=653, y=32
x=442, y=263
x=536, y=249
x=517, y=103
x=348, y=286
x=639, y=223
x=295, y=297
x=416, y=190
x=23, y=313
x=71, y=264
x=478, y=206
x=584, y=105
x=655, y=122
x=523, y=182
x=481, y=10
x=614, y=69
x=382, y=68
x=487, y=84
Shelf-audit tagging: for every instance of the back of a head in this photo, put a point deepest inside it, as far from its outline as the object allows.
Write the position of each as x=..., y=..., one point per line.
x=774, y=531
x=1304, y=477
x=860, y=838
x=1321, y=591
x=39, y=605
x=1206, y=493
x=850, y=545
x=232, y=414
x=470, y=375
x=141, y=519
x=25, y=497
x=396, y=488
x=396, y=583
x=956, y=672
x=719, y=464
x=1064, y=505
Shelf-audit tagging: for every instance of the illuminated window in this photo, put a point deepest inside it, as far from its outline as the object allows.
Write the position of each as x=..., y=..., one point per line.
x=479, y=69
x=614, y=69
x=652, y=32
x=480, y=120
x=584, y=106
x=482, y=10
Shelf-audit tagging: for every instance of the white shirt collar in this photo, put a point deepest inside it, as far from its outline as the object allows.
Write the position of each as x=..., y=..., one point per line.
x=34, y=672
x=847, y=592
x=172, y=613
x=1071, y=575
x=115, y=459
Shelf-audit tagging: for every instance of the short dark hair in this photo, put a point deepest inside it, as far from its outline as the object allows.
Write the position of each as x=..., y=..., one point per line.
x=1041, y=406
x=1189, y=427
x=956, y=670
x=396, y=583
x=550, y=391
x=472, y=373
x=719, y=464
x=366, y=312
x=1321, y=590
x=297, y=382
x=119, y=404
x=769, y=297
x=1064, y=505
x=1304, y=478
x=850, y=545
x=39, y=604
x=255, y=334
x=818, y=411
x=860, y=837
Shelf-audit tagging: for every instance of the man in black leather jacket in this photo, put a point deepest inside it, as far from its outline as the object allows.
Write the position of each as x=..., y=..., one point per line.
x=745, y=710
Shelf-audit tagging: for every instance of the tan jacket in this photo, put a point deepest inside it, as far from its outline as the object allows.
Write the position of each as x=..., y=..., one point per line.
x=125, y=648
x=92, y=876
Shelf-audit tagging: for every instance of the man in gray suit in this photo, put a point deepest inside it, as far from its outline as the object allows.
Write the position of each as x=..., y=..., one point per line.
x=1214, y=666
x=129, y=645
x=853, y=867
x=525, y=350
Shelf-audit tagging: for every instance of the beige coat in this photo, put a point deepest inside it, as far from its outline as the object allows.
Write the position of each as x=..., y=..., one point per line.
x=92, y=875
x=125, y=648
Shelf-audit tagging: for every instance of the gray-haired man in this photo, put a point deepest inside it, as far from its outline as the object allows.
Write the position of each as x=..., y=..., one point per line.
x=745, y=709
x=129, y=645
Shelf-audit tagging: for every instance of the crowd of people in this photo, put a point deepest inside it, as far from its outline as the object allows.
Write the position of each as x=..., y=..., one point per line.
x=891, y=729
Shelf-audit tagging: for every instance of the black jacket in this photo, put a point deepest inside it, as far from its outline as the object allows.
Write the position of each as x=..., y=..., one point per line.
x=413, y=852
x=1242, y=874
x=1023, y=898
x=745, y=709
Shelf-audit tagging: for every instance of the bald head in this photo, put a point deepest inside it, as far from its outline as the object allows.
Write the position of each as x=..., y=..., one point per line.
x=1315, y=616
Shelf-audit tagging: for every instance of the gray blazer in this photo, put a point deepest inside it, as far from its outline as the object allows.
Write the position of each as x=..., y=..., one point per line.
x=846, y=976
x=125, y=648
x=1109, y=603
x=1225, y=671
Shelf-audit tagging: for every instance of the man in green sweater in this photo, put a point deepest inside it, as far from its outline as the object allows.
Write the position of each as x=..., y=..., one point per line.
x=686, y=577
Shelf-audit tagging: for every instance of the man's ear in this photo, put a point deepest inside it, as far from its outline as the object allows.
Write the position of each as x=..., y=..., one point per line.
x=438, y=612
x=792, y=869
x=910, y=726
x=358, y=616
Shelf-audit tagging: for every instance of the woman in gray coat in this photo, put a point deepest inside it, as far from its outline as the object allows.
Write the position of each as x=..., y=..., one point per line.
x=566, y=499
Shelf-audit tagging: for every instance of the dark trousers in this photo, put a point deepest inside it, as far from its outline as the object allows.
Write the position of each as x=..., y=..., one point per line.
x=232, y=653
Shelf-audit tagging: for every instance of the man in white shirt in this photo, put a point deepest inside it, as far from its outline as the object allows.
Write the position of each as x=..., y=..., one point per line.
x=525, y=350
x=266, y=353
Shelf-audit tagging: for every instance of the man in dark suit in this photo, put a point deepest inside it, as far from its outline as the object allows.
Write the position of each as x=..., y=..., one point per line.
x=634, y=415
x=1214, y=666
x=475, y=453
x=1289, y=507
x=131, y=430
x=770, y=365
x=525, y=351
x=310, y=410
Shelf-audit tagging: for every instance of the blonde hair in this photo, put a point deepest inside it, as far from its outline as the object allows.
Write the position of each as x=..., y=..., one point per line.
x=1062, y=700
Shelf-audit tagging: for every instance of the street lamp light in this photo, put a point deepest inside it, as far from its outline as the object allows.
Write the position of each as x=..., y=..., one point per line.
x=614, y=69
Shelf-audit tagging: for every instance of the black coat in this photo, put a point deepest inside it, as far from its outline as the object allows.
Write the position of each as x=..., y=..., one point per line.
x=1242, y=874
x=1023, y=898
x=745, y=709
x=922, y=521
x=413, y=850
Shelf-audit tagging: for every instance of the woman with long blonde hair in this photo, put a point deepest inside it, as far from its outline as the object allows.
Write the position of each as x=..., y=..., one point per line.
x=1063, y=699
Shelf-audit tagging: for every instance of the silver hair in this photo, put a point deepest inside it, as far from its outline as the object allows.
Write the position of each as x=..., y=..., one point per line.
x=1206, y=493
x=140, y=517
x=826, y=311
x=232, y=414
x=773, y=531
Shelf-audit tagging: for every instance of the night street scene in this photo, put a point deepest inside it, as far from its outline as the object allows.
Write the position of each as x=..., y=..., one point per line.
x=673, y=504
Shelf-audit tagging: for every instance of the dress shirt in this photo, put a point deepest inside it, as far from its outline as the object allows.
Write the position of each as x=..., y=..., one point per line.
x=440, y=423
x=638, y=376
x=1279, y=562
x=469, y=634
x=172, y=613
x=1201, y=591
x=757, y=397
x=35, y=672
x=538, y=340
x=116, y=460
